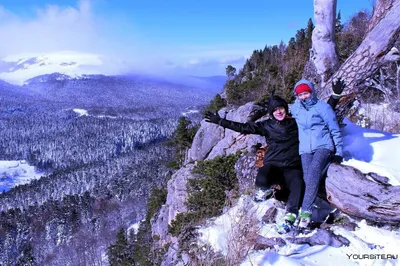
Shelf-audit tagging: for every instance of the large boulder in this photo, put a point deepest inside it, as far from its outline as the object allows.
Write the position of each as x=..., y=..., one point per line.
x=206, y=138
x=234, y=141
x=212, y=140
x=246, y=171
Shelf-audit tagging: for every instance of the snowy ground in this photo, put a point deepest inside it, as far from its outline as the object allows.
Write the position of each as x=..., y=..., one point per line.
x=365, y=242
x=13, y=173
x=372, y=150
x=367, y=150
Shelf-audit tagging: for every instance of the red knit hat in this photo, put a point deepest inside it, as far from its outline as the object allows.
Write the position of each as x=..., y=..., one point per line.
x=302, y=88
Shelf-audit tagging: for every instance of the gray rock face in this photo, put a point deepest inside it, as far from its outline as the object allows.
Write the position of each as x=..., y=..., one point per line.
x=171, y=257
x=246, y=171
x=206, y=138
x=212, y=140
x=234, y=141
x=175, y=204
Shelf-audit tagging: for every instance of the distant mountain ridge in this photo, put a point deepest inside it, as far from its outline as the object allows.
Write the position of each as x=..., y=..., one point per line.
x=18, y=68
x=22, y=68
x=79, y=80
x=129, y=96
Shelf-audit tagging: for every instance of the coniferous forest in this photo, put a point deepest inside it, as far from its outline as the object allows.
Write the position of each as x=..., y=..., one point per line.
x=99, y=168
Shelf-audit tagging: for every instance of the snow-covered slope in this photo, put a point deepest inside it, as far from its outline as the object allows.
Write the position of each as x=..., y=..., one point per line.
x=18, y=68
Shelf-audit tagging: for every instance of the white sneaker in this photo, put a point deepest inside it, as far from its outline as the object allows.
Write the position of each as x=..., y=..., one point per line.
x=288, y=223
x=305, y=219
x=262, y=194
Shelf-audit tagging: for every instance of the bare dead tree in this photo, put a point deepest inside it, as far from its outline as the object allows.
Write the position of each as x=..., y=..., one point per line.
x=370, y=55
x=354, y=194
x=379, y=11
x=323, y=51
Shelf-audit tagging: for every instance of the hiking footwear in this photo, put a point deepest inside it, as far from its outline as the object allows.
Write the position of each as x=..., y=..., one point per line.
x=290, y=217
x=262, y=194
x=305, y=219
x=288, y=223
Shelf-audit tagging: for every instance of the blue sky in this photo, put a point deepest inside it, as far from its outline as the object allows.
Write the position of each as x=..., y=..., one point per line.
x=189, y=37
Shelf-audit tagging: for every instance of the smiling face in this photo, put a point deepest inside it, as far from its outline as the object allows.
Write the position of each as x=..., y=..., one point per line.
x=279, y=113
x=304, y=95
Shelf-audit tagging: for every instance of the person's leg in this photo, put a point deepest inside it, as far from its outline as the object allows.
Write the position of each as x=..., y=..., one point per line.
x=306, y=160
x=314, y=163
x=264, y=180
x=262, y=177
x=294, y=182
x=322, y=189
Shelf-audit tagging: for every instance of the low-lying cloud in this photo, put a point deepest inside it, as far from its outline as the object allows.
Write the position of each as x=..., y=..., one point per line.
x=78, y=28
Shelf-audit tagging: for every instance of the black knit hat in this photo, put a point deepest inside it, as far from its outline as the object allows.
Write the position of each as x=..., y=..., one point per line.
x=276, y=101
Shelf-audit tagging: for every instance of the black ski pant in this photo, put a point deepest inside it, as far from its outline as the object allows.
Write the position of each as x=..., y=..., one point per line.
x=289, y=178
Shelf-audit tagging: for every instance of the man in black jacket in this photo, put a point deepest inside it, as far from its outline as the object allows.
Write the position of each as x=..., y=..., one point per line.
x=282, y=164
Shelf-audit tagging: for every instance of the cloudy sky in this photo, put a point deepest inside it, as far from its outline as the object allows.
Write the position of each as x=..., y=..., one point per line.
x=191, y=37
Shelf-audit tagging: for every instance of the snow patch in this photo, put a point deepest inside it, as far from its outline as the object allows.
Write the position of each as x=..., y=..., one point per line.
x=134, y=227
x=13, y=173
x=190, y=112
x=81, y=112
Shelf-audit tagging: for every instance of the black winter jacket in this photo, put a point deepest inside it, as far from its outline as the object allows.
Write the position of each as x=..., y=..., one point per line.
x=281, y=136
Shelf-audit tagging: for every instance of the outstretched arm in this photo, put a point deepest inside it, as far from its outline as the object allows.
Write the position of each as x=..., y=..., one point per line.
x=244, y=128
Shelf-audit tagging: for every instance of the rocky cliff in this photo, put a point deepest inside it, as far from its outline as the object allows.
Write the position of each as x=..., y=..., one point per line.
x=210, y=141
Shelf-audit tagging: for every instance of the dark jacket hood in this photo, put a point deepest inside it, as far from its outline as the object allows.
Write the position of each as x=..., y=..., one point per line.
x=276, y=101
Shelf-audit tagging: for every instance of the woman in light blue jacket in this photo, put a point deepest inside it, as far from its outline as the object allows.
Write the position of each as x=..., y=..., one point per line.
x=320, y=141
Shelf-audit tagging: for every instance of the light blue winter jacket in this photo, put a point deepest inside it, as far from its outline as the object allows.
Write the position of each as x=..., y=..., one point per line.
x=317, y=123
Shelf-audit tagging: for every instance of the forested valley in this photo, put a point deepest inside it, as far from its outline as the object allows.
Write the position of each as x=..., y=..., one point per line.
x=99, y=168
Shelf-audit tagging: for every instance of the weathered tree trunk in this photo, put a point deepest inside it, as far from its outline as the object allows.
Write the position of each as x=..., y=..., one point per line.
x=323, y=53
x=349, y=190
x=398, y=80
x=369, y=56
x=379, y=11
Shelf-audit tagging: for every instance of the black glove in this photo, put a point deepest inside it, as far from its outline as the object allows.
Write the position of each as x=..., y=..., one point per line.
x=212, y=118
x=339, y=86
x=256, y=147
x=337, y=159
